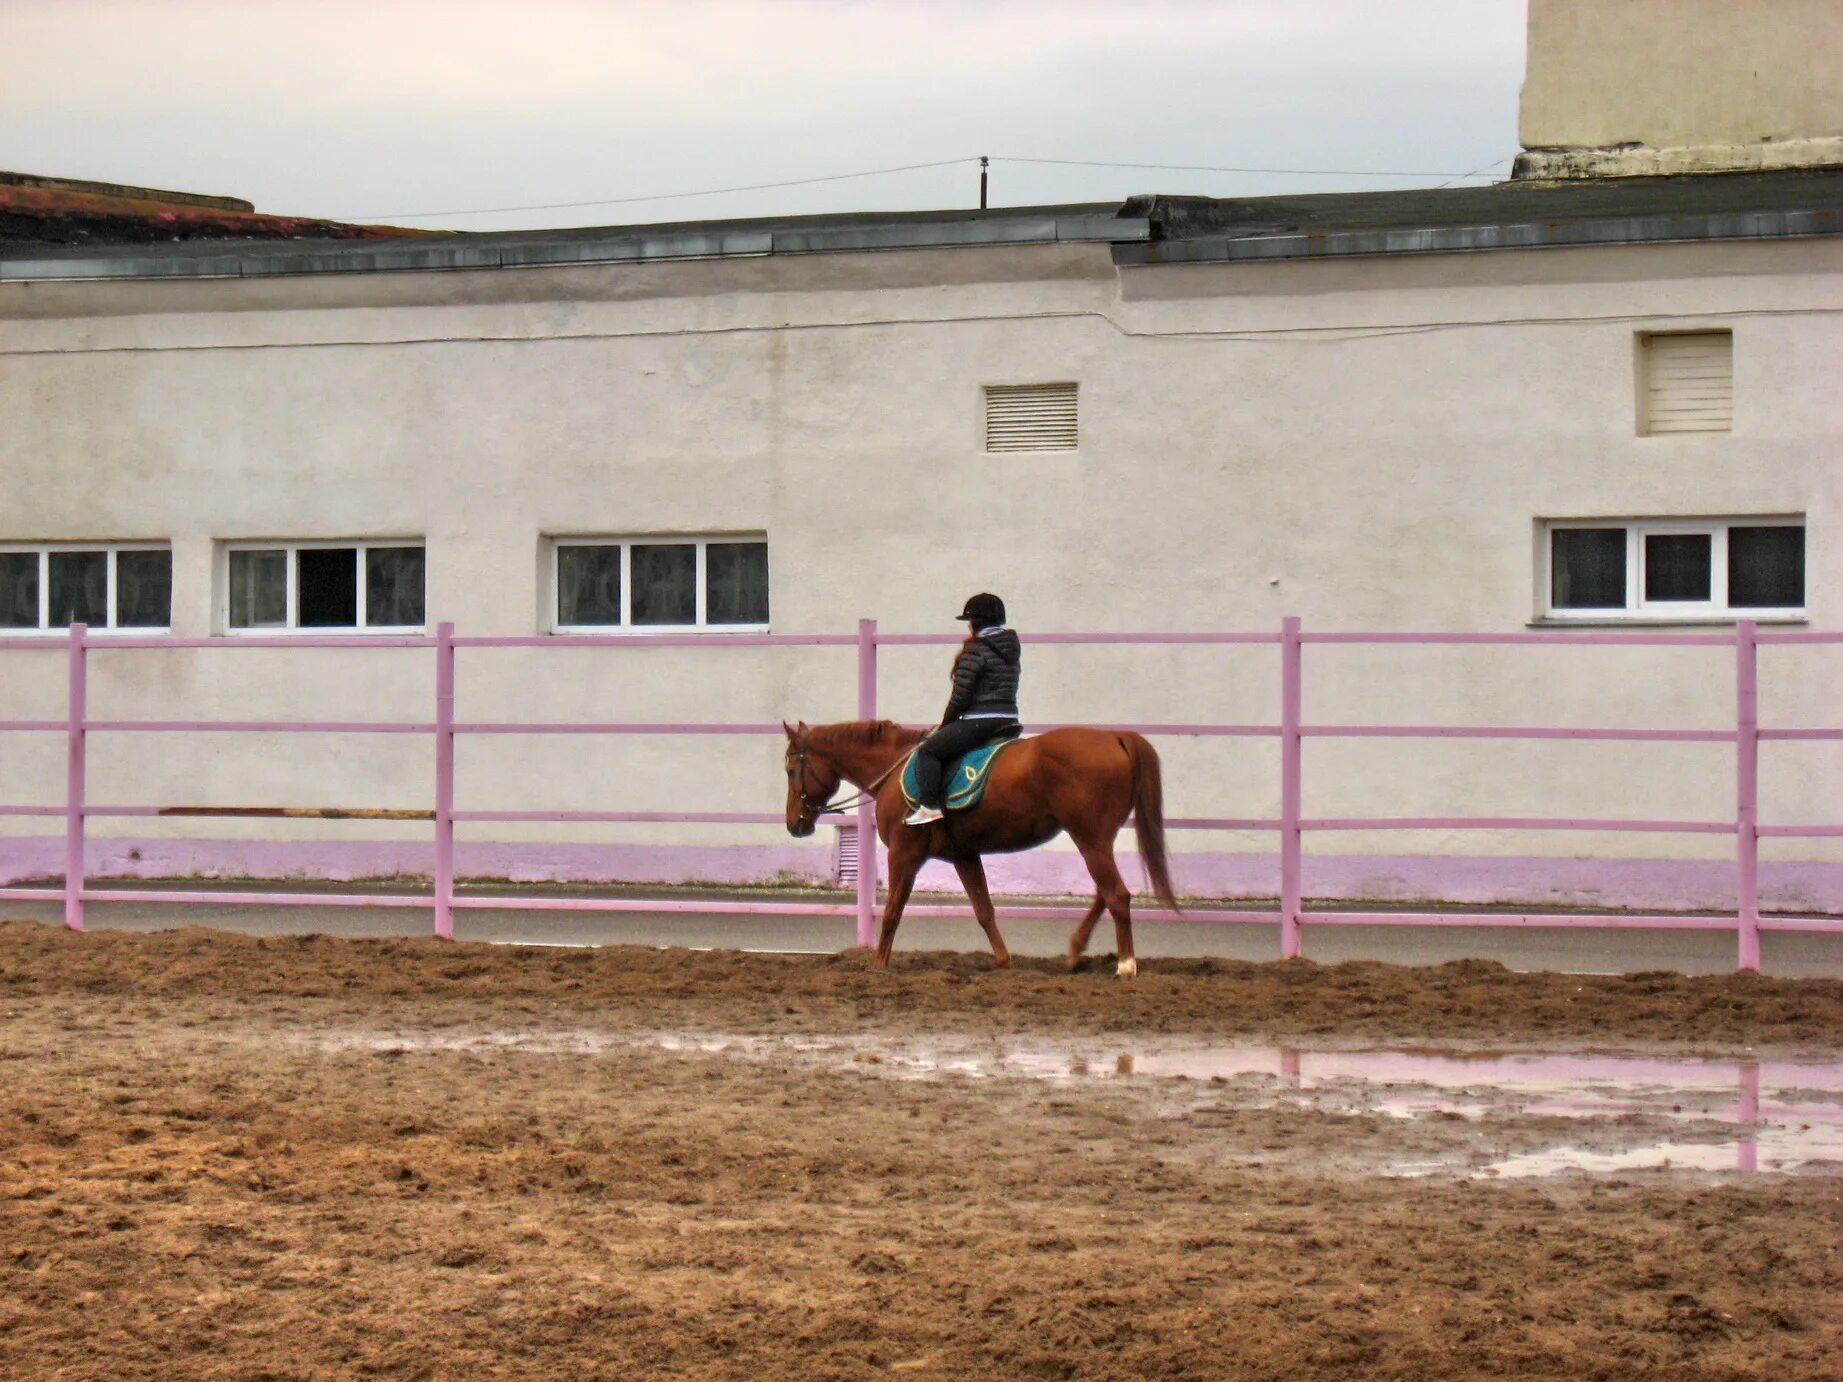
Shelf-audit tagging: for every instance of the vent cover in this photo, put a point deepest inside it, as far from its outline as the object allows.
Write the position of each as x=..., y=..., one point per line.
x=1030, y=417
x=1688, y=382
x=845, y=874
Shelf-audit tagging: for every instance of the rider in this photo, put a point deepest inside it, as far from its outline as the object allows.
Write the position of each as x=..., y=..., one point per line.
x=983, y=706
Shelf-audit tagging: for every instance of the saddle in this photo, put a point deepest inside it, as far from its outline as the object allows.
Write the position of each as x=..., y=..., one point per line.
x=966, y=775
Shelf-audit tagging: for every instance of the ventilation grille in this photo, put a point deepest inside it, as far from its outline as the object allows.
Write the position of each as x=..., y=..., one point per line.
x=1689, y=382
x=1030, y=417
x=846, y=872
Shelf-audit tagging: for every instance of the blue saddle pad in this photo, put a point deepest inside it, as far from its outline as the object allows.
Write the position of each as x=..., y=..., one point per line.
x=966, y=777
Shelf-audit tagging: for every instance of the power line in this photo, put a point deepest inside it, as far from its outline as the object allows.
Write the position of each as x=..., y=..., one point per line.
x=1212, y=168
x=666, y=196
x=1479, y=171
x=917, y=167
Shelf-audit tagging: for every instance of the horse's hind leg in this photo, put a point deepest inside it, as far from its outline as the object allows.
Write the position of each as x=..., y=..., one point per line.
x=972, y=877
x=1118, y=899
x=1078, y=938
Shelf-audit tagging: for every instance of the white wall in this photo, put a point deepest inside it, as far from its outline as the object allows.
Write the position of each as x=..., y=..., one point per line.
x=1367, y=443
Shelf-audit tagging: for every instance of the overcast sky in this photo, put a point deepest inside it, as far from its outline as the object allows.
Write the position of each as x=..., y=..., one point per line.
x=356, y=109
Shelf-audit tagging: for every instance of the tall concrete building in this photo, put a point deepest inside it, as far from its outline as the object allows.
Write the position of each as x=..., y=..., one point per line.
x=1634, y=88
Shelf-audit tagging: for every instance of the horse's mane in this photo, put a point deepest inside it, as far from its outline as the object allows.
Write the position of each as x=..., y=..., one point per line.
x=867, y=734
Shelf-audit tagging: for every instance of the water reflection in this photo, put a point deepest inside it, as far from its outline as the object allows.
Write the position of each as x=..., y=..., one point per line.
x=1798, y=1122
x=1785, y=1115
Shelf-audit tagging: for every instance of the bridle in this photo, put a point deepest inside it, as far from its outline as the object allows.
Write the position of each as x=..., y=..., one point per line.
x=810, y=807
x=816, y=809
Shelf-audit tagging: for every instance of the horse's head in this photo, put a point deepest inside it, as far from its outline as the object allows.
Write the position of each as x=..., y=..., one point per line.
x=811, y=780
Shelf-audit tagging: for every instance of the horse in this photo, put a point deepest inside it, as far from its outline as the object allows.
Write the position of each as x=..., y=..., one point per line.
x=1080, y=780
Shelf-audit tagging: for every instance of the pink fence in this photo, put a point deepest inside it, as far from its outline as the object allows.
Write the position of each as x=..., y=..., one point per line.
x=1291, y=826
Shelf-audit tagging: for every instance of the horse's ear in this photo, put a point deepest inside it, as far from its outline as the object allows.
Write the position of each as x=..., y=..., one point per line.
x=790, y=731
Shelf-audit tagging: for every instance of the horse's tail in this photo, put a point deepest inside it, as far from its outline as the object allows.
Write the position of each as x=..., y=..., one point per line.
x=1149, y=814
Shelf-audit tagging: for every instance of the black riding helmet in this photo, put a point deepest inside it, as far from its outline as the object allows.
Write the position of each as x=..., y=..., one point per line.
x=985, y=610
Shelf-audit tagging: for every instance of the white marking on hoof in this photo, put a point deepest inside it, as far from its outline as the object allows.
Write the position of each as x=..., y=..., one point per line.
x=1128, y=968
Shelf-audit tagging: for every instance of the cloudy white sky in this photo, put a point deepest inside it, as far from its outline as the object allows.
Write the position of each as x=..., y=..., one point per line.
x=381, y=109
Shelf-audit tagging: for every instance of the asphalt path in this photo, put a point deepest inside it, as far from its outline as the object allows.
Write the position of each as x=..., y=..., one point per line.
x=1568, y=950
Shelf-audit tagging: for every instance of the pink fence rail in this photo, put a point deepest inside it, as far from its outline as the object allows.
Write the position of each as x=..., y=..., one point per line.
x=1291, y=825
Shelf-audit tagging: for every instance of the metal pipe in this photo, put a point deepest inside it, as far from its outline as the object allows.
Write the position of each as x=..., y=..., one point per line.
x=1747, y=794
x=320, y=813
x=444, y=781
x=867, y=810
x=77, y=709
x=1291, y=765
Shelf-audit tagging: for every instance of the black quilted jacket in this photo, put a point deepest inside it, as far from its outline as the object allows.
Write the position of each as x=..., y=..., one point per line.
x=985, y=676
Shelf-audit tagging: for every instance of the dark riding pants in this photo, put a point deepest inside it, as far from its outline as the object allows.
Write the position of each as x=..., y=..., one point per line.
x=947, y=743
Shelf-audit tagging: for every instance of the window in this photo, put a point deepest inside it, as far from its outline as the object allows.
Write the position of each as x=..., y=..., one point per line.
x=1686, y=382
x=1657, y=568
x=368, y=587
x=661, y=583
x=1030, y=417
x=107, y=586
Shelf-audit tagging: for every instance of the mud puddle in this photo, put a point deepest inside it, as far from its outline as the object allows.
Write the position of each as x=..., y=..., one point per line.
x=1607, y=1114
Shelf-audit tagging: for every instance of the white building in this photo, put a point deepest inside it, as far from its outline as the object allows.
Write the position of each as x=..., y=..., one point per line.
x=1539, y=404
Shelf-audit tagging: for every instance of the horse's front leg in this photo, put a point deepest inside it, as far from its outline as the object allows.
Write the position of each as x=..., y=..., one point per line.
x=972, y=877
x=905, y=861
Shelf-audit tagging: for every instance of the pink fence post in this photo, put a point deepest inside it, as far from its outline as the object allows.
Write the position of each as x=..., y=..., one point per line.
x=1747, y=792
x=1290, y=765
x=78, y=711
x=867, y=810
x=444, y=781
x=1747, y=1151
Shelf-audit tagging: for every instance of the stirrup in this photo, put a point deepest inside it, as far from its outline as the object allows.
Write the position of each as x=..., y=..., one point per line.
x=923, y=815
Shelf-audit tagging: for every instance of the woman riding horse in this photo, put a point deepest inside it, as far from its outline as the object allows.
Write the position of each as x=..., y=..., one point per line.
x=1086, y=782
x=983, y=706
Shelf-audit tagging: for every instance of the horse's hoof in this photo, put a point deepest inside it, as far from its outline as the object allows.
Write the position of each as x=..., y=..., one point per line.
x=1128, y=968
x=1002, y=961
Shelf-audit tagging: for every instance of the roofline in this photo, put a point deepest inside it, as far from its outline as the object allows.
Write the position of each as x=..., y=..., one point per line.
x=504, y=250
x=1135, y=232
x=1610, y=230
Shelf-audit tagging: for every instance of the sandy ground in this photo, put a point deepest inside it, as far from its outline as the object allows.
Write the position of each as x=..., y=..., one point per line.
x=305, y=1157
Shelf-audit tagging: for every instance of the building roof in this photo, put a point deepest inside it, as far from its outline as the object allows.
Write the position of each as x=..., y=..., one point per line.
x=865, y=230
x=1505, y=215
x=40, y=211
x=1146, y=230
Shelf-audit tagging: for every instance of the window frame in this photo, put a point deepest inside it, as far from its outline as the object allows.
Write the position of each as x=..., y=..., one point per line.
x=292, y=628
x=1637, y=610
x=44, y=551
x=702, y=541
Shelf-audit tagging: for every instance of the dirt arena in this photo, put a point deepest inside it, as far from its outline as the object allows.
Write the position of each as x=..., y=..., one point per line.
x=302, y=1157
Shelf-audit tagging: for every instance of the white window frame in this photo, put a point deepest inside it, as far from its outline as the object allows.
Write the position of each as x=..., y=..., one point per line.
x=702, y=541
x=1637, y=609
x=291, y=547
x=44, y=551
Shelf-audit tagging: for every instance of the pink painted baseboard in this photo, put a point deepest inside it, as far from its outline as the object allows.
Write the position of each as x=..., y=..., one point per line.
x=1667, y=884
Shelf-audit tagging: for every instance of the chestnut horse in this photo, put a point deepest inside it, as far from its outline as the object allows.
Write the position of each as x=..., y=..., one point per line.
x=1084, y=781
